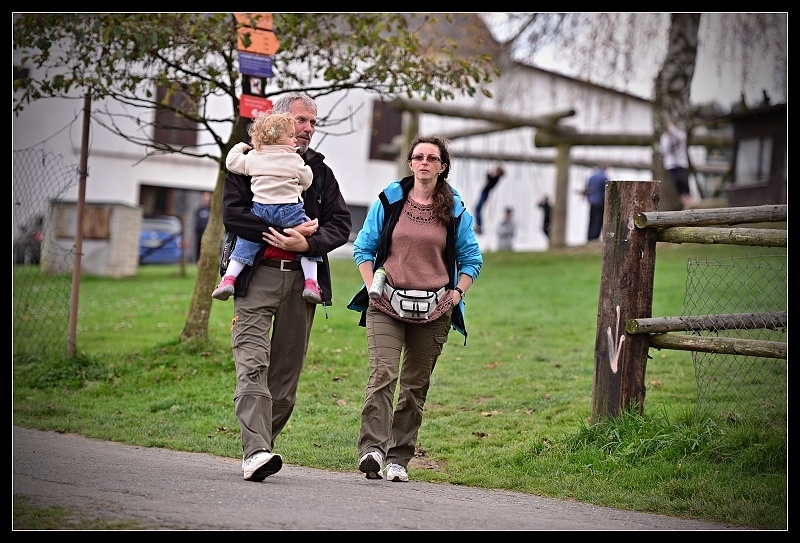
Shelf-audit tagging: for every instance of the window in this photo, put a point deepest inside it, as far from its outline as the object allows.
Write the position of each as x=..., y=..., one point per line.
x=172, y=128
x=358, y=214
x=753, y=161
x=386, y=124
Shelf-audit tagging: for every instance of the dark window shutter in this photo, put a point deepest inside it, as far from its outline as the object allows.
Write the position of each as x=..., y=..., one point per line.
x=386, y=124
x=170, y=126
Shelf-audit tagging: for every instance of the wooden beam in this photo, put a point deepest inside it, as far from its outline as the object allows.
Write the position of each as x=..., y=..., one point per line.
x=773, y=320
x=475, y=131
x=510, y=121
x=544, y=138
x=721, y=345
x=752, y=237
x=390, y=151
x=708, y=217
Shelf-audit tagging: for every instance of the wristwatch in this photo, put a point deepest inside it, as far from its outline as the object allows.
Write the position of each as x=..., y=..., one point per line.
x=461, y=292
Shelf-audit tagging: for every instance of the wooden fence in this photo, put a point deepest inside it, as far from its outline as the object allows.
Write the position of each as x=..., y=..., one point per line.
x=626, y=329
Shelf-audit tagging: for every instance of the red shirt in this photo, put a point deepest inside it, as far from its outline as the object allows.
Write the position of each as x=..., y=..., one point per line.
x=279, y=254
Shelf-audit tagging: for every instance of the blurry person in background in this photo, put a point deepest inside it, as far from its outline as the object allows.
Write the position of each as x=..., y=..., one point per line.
x=676, y=159
x=544, y=204
x=595, y=193
x=506, y=231
x=492, y=179
x=200, y=222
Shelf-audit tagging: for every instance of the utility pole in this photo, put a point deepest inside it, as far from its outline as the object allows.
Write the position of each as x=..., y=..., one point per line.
x=76, y=262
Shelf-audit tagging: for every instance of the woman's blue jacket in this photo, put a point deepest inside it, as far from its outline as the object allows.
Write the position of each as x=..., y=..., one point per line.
x=373, y=240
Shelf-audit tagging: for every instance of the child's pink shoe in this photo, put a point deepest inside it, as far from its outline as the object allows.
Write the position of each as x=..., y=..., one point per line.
x=225, y=289
x=311, y=292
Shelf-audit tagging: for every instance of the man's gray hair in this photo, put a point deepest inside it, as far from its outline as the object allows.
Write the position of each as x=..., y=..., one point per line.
x=282, y=104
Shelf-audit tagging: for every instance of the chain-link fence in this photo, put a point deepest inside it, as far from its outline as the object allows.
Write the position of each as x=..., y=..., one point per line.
x=735, y=385
x=40, y=309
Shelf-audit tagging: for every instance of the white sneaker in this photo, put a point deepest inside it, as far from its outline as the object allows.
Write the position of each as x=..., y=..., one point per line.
x=258, y=466
x=371, y=464
x=396, y=473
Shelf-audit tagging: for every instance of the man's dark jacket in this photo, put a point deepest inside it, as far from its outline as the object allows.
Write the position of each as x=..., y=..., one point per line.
x=322, y=200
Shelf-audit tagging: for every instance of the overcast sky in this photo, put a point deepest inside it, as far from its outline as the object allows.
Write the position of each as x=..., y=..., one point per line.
x=713, y=80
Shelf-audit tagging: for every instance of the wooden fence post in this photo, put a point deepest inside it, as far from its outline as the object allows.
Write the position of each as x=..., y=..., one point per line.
x=626, y=292
x=558, y=228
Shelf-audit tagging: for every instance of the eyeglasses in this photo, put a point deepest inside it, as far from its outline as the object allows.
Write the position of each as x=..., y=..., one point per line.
x=430, y=158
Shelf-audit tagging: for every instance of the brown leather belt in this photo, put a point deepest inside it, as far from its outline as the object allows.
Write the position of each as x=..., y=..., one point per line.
x=283, y=265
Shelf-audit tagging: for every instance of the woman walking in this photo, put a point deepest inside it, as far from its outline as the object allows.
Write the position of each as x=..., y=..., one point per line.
x=422, y=235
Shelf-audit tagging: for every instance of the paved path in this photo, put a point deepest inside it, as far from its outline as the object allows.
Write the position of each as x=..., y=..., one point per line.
x=166, y=489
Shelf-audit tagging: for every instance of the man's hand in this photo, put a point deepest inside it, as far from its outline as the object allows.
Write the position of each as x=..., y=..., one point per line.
x=307, y=228
x=292, y=241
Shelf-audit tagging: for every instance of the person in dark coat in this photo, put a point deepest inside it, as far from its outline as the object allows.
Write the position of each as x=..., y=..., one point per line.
x=492, y=179
x=272, y=321
x=201, y=221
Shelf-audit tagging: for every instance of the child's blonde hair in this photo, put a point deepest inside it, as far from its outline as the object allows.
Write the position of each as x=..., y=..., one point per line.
x=269, y=129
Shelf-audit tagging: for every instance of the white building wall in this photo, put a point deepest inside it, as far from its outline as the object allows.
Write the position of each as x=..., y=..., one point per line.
x=117, y=168
x=524, y=93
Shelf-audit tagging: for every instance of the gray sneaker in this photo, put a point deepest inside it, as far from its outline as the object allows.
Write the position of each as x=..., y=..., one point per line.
x=371, y=464
x=258, y=466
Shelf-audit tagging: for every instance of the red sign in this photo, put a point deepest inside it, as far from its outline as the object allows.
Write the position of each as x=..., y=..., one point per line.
x=262, y=38
x=251, y=107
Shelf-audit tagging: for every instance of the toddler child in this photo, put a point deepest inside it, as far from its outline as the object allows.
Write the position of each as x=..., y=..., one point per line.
x=279, y=177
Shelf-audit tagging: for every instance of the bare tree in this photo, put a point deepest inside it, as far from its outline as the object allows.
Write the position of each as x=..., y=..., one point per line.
x=672, y=88
x=617, y=49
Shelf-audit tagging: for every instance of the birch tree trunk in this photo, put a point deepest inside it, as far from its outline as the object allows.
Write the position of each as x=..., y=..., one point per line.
x=672, y=92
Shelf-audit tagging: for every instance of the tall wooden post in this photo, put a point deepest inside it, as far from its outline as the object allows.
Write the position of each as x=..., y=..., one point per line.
x=626, y=292
x=76, y=263
x=558, y=223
